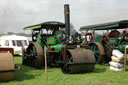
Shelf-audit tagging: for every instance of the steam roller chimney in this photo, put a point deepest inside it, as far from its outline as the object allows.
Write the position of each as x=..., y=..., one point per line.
x=67, y=20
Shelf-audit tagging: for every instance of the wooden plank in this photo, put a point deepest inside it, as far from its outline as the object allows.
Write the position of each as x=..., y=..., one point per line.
x=46, y=74
x=51, y=51
x=125, y=59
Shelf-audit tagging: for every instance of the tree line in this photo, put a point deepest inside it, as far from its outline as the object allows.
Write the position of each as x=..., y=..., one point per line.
x=12, y=33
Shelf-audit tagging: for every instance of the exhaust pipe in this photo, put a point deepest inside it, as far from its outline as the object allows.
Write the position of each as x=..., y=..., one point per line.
x=67, y=20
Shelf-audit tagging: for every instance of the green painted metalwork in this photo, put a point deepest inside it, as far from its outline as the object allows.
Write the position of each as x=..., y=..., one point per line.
x=51, y=41
x=57, y=47
x=58, y=36
x=99, y=39
x=122, y=47
x=54, y=44
x=113, y=41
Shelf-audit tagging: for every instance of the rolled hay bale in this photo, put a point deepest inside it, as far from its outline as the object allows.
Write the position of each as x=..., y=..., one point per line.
x=118, y=54
x=115, y=69
x=115, y=59
x=116, y=64
x=7, y=67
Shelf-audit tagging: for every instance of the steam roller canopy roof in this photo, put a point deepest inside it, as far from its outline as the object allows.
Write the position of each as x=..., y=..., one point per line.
x=111, y=25
x=45, y=25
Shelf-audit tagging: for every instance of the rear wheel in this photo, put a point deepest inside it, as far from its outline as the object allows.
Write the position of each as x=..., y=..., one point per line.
x=98, y=50
x=33, y=55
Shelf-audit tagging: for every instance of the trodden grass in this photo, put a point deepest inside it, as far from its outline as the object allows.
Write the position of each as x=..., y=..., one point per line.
x=101, y=76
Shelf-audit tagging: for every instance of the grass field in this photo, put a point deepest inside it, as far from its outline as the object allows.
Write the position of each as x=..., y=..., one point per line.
x=101, y=76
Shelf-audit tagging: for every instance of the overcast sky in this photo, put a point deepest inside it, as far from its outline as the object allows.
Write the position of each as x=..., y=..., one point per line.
x=17, y=14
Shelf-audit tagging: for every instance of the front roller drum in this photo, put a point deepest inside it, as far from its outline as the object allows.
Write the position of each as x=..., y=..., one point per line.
x=7, y=67
x=82, y=61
